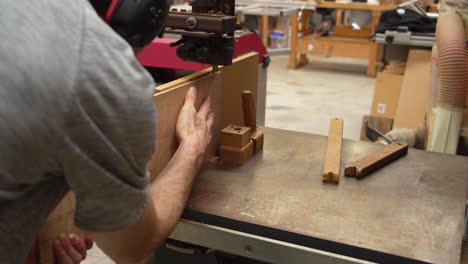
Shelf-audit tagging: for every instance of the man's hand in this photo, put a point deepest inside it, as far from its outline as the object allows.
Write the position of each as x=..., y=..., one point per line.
x=168, y=192
x=71, y=249
x=194, y=128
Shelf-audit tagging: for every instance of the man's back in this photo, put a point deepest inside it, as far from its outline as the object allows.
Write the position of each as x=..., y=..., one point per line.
x=75, y=113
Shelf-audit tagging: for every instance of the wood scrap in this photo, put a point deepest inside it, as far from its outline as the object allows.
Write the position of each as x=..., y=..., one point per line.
x=250, y=119
x=331, y=167
x=374, y=161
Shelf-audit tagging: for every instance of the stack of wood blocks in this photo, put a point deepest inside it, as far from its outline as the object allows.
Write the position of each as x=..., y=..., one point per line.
x=236, y=145
x=239, y=143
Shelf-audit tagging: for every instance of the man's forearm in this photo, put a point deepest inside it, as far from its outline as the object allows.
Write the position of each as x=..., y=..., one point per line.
x=168, y=195
x=171, y=189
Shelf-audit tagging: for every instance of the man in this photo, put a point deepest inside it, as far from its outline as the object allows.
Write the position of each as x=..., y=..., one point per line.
x=77, y=114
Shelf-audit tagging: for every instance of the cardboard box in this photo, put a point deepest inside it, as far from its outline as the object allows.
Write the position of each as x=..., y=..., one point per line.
x=386, y=94
x=414, y=96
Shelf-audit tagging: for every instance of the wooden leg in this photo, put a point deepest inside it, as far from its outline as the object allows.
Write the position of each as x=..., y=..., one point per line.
x=293, y=56
x=373, y=57
x=339, y=17
x=265, y=31
x=374, y=47
x=238, y=17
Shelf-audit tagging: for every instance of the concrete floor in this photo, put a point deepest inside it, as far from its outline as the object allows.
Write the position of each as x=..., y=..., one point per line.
x=305, y=99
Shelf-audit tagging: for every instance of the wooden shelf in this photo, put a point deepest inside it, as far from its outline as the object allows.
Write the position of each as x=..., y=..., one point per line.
x=355, y=6
x=336, y=47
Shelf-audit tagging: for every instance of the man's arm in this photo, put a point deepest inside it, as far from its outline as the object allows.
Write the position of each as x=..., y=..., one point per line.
x=168, y=193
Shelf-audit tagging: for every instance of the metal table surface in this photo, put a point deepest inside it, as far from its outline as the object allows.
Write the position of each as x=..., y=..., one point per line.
x=413, y=210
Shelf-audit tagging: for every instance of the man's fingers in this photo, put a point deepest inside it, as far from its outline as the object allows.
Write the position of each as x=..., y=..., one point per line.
x=205, y=108
x=210, y=121
x=191, y=96
x=79, y=245
x=69, y=249
x=60, y=256
x=89, y=241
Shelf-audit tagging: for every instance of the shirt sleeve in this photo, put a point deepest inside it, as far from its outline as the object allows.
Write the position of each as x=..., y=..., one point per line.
x=109, y=131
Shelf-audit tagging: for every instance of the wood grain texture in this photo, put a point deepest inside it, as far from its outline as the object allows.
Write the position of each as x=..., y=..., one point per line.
x=331, y=166
x=168, y=104
x=374, y=46
x=241, y=75
x=236, y=156
x=293, y=42
x=249, y=110
x=350, y=32
x=224, y=87
x=374, y=161
x=412, y=104
x=265, y=30
x=235, y=136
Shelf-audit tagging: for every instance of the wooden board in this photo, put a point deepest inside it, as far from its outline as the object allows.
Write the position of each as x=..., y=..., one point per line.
x=241, y=75
x=168, y=104
x=356, y=6
x=411, y=112
x=225, y=88
x=331, y=166
x=349, y=31
x=386, y=94
x=376, y=160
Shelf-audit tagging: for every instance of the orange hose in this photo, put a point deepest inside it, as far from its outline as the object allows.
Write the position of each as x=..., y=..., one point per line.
x=453, y=61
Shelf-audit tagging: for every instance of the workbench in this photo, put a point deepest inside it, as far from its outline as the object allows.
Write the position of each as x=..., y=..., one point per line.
x=275, y=207
x=336, y=46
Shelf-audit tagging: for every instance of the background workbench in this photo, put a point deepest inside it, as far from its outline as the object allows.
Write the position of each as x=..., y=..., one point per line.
x=413, y=210
x=336, y=46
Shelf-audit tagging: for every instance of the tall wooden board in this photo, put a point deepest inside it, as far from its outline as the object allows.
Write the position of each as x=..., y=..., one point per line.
x=225, y=88
x=411, y=112
x=241, y=75
x=168, y=104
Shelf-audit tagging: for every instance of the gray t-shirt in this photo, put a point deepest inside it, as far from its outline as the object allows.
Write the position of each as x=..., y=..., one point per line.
x=76, y=113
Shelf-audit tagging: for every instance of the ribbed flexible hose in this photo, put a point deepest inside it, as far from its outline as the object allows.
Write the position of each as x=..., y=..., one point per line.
x=434, y=90
x=453, y=61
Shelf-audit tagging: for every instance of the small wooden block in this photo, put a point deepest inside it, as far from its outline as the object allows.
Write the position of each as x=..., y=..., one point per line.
x=257, y=138
x=331, y=167
x=376, y=160
x=235, y=136
x=235, y=156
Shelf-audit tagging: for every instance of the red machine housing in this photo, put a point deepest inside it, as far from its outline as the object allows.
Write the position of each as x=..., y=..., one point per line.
x=159, y=55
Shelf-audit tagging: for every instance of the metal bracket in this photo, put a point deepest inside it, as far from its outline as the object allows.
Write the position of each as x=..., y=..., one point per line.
x=255, y=247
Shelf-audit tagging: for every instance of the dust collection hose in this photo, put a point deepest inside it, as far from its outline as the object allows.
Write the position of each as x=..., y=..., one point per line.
x=453, y=61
